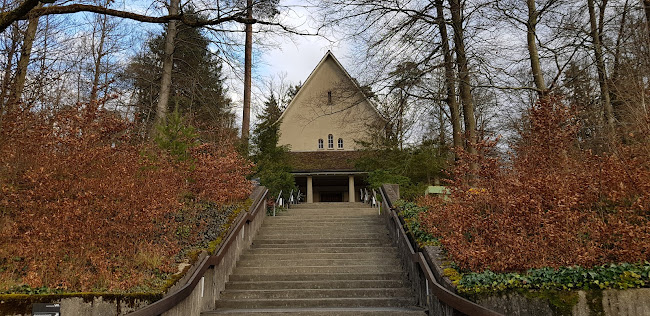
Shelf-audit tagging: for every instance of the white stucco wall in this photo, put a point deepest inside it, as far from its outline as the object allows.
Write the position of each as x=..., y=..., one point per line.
x=311, y=116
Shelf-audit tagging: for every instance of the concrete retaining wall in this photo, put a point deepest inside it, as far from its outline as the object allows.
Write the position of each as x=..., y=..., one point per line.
x=88, y=304
x=632, y=302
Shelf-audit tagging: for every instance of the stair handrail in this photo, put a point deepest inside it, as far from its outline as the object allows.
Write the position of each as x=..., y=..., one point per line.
x=374, y=201
x=446, y=296
x=278, y=201
x=168, y=302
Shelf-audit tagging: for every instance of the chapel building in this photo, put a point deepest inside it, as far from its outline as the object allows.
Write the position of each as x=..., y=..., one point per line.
x=322, y=126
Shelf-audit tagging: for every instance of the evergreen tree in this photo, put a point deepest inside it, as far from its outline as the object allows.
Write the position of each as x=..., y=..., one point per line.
x=271, y=160
x=197, y=90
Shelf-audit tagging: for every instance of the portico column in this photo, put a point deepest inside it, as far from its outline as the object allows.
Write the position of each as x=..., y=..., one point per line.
x=310, y=190
x=351, y=188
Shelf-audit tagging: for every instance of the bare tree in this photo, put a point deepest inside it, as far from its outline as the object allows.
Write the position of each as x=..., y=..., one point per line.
x=596, y=26
x=168, y=63
x=450, y=78
x=23, y=62
x=246, y=115
x=463, y=76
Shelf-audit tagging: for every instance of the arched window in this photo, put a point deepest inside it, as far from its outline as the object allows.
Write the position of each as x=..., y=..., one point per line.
x=330, y=141
x=320, y=143
x=340, y=143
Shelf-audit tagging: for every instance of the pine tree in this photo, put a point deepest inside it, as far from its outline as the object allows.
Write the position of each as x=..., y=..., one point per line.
x=272, y=161
x=197, y=90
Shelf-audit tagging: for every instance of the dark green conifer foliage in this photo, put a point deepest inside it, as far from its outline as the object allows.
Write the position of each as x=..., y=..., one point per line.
x=197, y=90
x=272, y=161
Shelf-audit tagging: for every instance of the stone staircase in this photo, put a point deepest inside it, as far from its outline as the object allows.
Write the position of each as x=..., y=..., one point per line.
x=319, y=259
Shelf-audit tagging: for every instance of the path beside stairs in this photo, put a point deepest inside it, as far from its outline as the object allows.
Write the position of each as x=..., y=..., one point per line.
x=319, y=259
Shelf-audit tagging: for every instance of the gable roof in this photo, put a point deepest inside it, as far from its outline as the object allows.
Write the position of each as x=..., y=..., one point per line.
x=329, y=54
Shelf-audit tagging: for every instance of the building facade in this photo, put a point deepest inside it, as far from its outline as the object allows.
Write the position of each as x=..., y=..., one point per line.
x=322, y=126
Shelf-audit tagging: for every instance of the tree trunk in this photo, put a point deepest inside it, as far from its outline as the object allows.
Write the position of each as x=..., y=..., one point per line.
x=531, y=39
x=463, y=76
x=602, y=72
x=23, y=62
x=450, y=79
x=248, y=52
x=168, y=64
x=613, y=92
x=646, y=8
x=98, y=54
x=6, y=80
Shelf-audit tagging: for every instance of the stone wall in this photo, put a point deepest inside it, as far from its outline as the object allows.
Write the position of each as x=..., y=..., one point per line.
x=92, y=304
x=632, y=302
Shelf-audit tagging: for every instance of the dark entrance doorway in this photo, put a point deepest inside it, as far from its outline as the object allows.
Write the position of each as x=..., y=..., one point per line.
x=331, y=196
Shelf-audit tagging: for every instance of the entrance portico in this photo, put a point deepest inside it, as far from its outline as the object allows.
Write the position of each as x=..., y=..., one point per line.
x=331, y=186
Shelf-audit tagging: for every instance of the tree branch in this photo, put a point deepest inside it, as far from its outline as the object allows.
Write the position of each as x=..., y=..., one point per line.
x=6, y=18
x=25, y=11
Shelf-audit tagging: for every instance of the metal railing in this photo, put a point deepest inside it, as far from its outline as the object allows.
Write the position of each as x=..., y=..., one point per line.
x=444, y=295
x=294, y=198
x=371, y=198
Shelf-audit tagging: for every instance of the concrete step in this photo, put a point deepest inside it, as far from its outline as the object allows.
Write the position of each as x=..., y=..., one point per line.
x=322, y=235
x=322, y=227
x=319, y=269
x=321, y=302
x=297, y=222
x=319, y=226
x=328, y=248
x=310, y=256
x=341, y=212
x=315, y=293
x=303, y=262
x=326, y=240
x=319, y=259
x=333, y=311
x=324, y=205
x=312, y=244
x=331, y=217
x=317, y=276
x=354, y=208
x=322, y=284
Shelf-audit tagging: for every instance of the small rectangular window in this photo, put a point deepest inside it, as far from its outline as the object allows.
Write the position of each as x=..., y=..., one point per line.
x=320, y=143
x=329, y=97
x=340, y=143
x=330, y=141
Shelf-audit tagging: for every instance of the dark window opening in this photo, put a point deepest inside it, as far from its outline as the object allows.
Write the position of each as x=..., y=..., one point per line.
x=320, y=143
x=341, y=143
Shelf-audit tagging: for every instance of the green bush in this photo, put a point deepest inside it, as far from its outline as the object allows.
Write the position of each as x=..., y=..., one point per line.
x=610, y=276
x=176, y=137
x=410, y=212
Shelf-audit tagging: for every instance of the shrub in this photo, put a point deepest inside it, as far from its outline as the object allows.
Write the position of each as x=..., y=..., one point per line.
x=80, y=202
x=554, y=205
x=410, y=212
x=618, y=276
